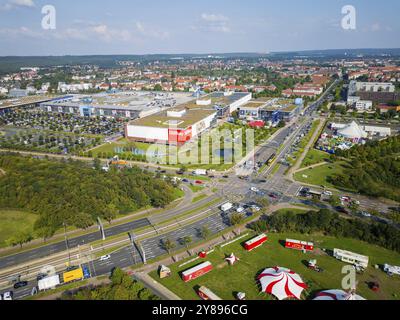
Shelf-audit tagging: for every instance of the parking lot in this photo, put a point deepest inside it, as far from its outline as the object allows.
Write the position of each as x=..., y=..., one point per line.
x=59, y=122
x=46, y=141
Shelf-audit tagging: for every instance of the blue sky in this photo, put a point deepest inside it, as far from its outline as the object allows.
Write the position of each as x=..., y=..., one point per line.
x=192, y=26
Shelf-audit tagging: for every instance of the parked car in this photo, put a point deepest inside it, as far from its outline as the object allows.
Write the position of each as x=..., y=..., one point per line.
x=199, y=182
x=342, y=210
x=105, y=258
x=185, y=180
x=41, y=276
x=240, y=210
x=345, y=199
x=365, y=214
x=20, y=284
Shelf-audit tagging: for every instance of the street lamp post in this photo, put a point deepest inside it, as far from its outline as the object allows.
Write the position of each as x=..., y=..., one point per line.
x=66, y=244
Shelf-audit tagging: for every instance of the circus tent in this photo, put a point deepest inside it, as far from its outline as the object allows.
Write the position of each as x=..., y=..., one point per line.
x=282, y=283
x=337, y=295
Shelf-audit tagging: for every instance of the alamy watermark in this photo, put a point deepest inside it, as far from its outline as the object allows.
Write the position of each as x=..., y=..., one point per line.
x=49, y=20
x=349, y=21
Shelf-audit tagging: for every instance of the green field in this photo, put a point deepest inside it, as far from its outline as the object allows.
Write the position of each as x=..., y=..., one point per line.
x=12, y=222
x=314, y=156
x=122, y=143
x=318, y=175
x=225, y=280
x=199, y=198
x=196, y=188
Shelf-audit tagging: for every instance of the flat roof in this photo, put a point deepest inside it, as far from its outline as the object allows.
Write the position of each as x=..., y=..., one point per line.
x=125, y=100
x=162, y=120
x=284, y=108
x=18, y=102
x=194, y=112
x=253, y=104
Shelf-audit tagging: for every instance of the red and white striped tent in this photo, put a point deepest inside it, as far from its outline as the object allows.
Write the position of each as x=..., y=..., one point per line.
x=337, y=295
x=282, y=283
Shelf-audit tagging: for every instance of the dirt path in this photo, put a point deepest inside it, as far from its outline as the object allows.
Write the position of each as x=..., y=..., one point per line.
x=311, y=167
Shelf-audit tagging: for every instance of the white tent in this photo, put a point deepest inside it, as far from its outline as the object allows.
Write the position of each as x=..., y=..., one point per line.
x=282, y=283
x=352, y=131
x=337, y=295
x=232, y=259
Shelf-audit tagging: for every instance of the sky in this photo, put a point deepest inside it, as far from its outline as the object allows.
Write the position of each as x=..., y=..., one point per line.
x=192, y=26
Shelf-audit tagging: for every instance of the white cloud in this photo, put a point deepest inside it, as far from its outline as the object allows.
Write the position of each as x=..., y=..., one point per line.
x=376, y=27
x=12, y=4
x=151, y=32
x=211, y=22
x=214, y=17
x=23, y=3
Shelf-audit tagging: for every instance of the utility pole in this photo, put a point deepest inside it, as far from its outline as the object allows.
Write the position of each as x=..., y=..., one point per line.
x=66, y=244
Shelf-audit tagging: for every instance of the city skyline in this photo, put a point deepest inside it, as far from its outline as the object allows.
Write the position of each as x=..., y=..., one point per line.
x=179, y=27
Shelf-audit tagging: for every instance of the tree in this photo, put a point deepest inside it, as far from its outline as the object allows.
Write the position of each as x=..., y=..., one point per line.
x=110, y=213
x=97, y=164
x=263, y=202
x=354, y=207
x=168, y=245
x=335, y=201
x=20, y=239
x=44, y=233
x=236, y=219
x=186, y=241
x=205, y=232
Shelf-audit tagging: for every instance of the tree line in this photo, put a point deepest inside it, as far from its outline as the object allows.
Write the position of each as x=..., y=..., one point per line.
x=331, y=224
x=71, y=193
x=122, y=287
x=373, y=169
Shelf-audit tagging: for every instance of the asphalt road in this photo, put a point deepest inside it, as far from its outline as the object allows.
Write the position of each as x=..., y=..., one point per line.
x=61, y=246
x=129, y=256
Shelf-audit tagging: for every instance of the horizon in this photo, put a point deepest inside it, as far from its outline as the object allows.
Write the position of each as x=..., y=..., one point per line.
x=201, y=53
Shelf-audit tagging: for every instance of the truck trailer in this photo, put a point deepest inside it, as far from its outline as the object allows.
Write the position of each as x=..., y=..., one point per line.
x=49, y=283
x=226, y=207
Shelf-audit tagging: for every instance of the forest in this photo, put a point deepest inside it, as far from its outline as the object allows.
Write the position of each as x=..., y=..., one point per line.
x=331, y=224
x=73, y=193
x=373, y=169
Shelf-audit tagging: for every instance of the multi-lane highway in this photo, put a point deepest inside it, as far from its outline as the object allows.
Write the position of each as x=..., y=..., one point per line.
x=153, y=248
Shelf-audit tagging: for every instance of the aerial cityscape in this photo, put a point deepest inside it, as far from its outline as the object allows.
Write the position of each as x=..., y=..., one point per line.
x=199, y=152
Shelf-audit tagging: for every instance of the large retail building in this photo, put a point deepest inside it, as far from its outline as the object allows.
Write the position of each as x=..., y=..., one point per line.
x=182, y=123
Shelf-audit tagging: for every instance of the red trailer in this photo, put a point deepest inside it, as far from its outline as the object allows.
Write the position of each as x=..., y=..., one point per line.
x=255, y=242
x=197, y=271
x=299, y=245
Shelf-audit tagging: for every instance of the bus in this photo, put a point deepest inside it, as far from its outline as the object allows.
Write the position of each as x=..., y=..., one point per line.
x=271, y=159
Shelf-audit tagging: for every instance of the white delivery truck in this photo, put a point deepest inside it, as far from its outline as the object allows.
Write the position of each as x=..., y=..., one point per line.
x=226, y=207
x=200, y=172
x=49, y=283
